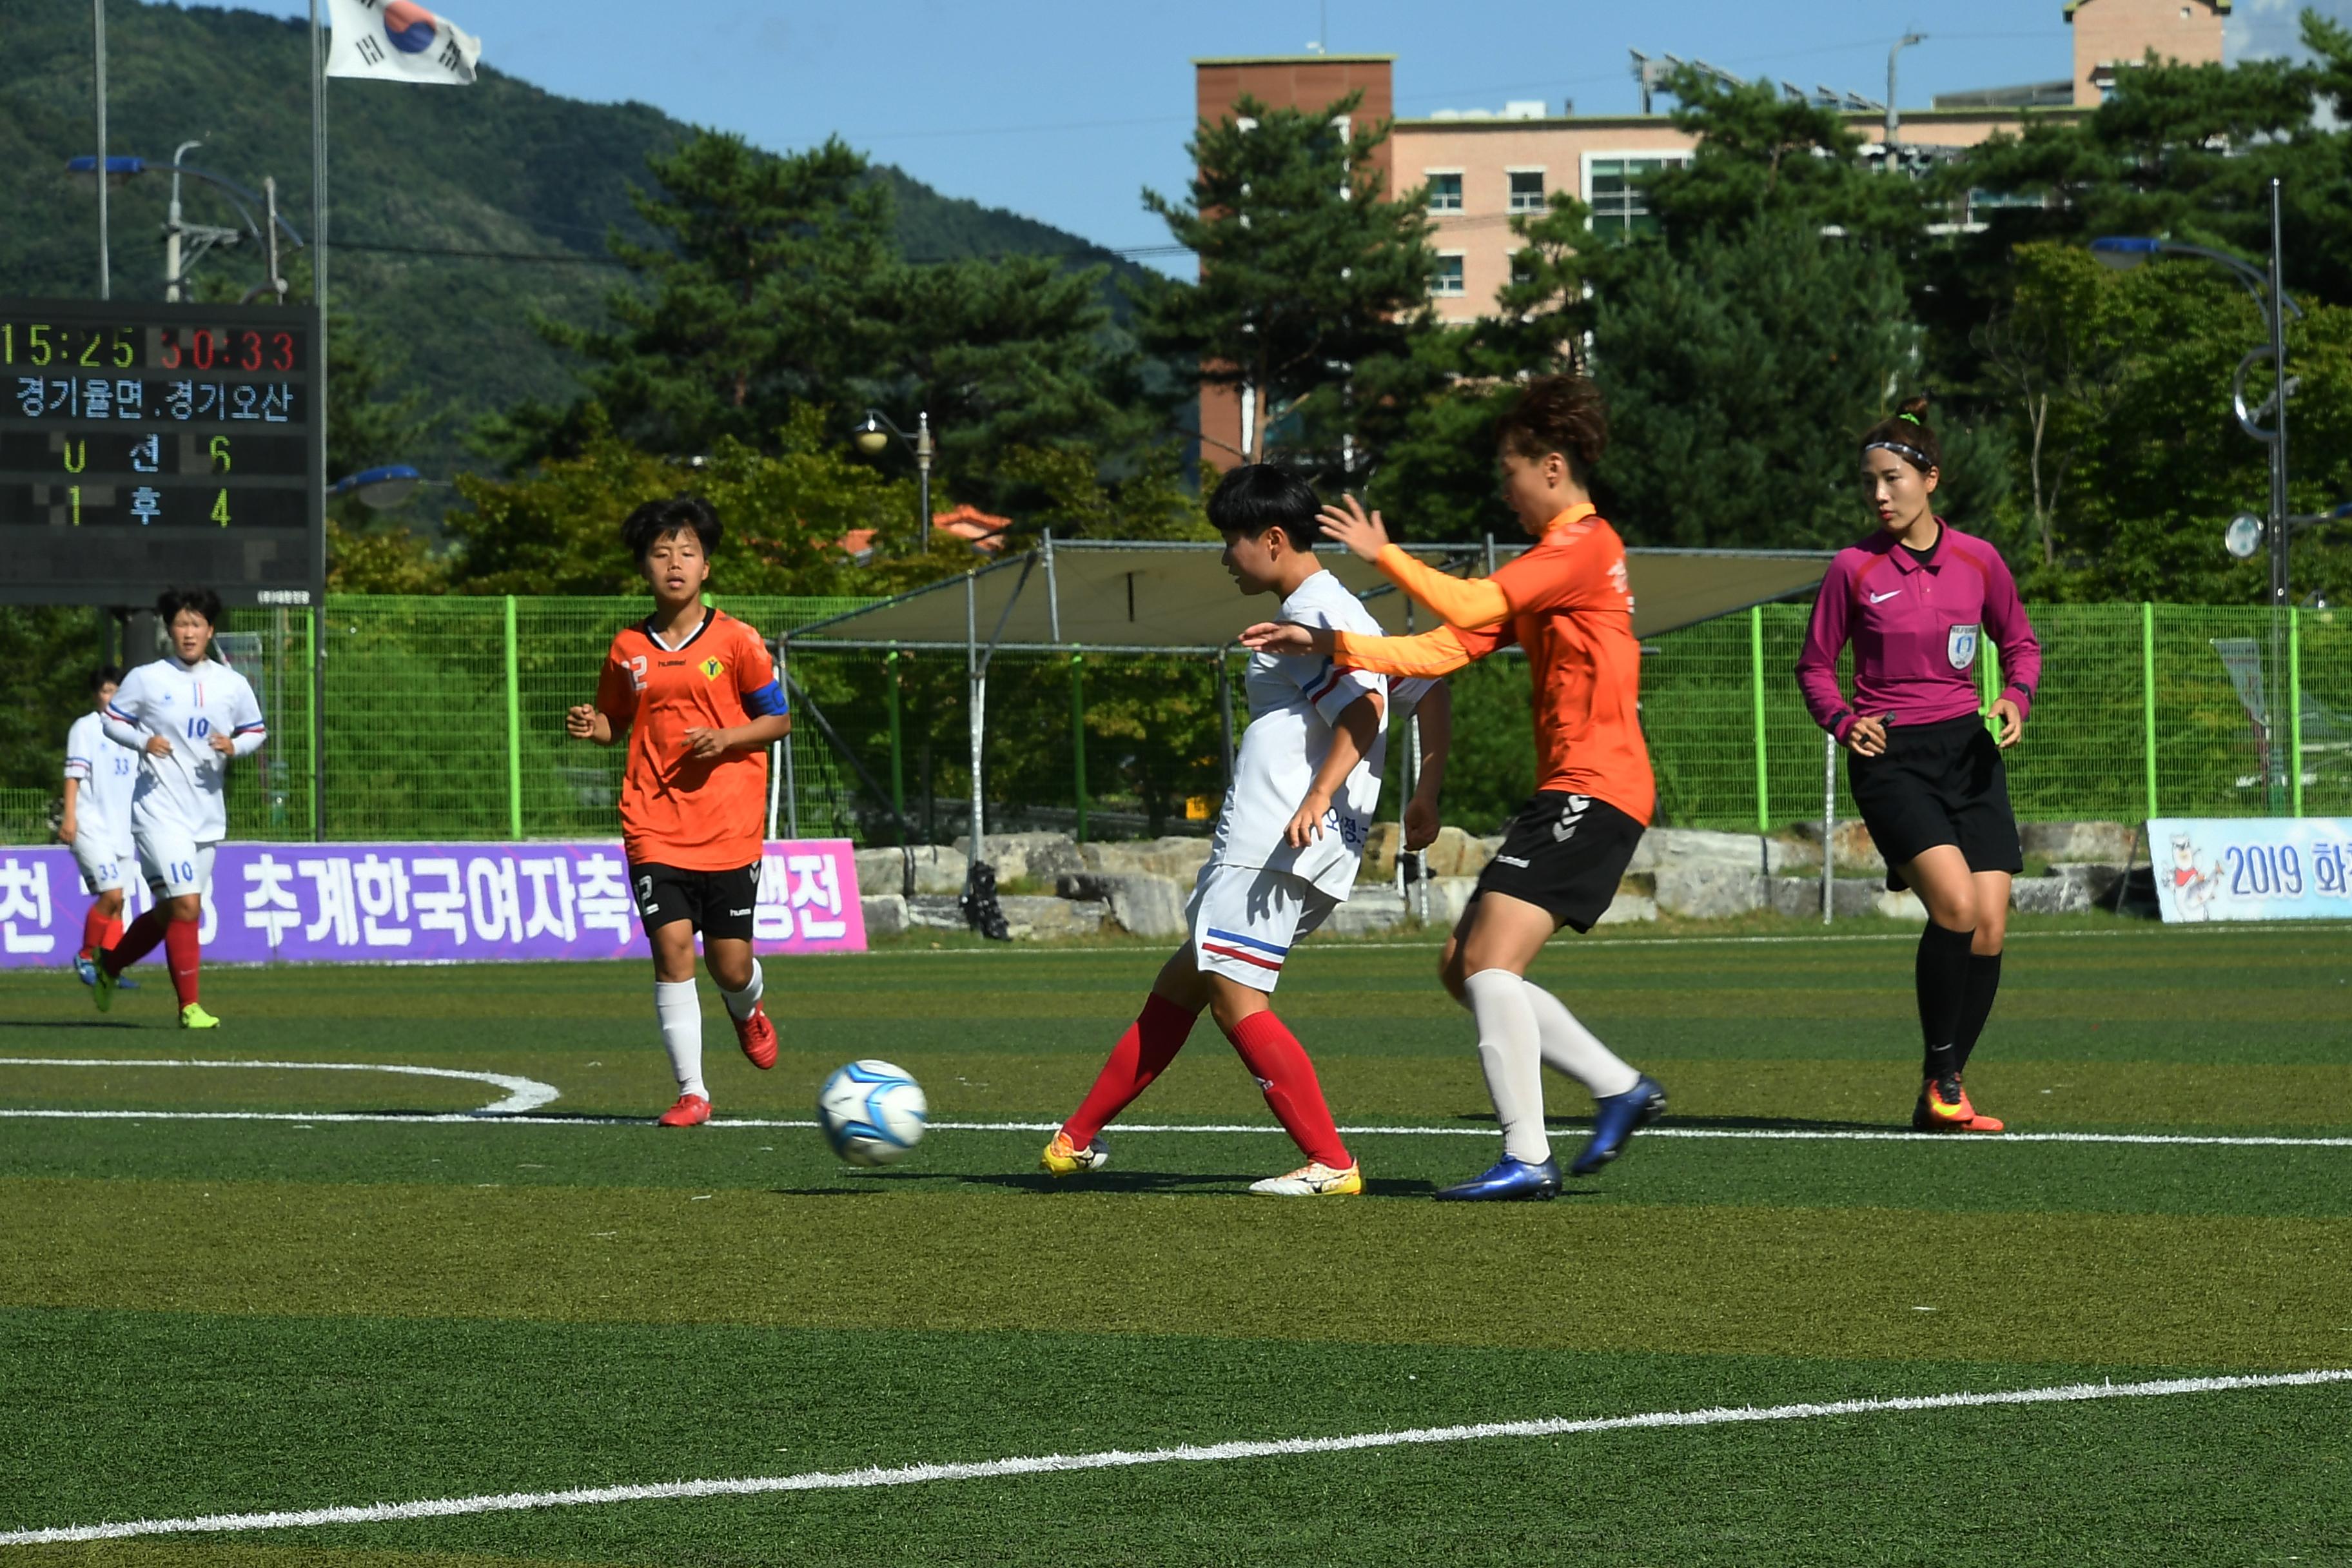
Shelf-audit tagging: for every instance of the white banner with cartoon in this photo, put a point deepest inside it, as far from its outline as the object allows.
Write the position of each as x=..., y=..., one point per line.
x=2252, y=868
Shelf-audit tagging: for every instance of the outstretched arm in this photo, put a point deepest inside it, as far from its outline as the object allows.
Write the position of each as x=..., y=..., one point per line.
x=1476, y=603
x=1436, y=653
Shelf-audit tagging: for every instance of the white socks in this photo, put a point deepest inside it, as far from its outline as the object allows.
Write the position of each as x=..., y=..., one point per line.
x=680, y=1012
x=740, y=1003
x=1570, y=1047
x=1510, y=1053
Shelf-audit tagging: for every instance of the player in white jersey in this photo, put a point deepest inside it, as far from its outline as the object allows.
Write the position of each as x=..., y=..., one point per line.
x=186, y=715
x=100, y=776
x=1294, y=826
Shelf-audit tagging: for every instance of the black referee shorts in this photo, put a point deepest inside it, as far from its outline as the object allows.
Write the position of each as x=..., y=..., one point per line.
x=719, y=903
x=1565, y=854
x=1938, y=784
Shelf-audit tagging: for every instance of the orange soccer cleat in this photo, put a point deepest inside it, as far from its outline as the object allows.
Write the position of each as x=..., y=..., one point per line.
x=1944, y=1108
x=756, y=1036
x=691, y=1110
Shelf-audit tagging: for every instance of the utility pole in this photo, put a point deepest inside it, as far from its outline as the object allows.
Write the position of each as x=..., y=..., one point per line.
x=98, y=59
x=1895, y=115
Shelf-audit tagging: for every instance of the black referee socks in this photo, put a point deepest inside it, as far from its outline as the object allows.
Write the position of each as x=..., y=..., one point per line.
x=1942, y=974
x=1976, y=1004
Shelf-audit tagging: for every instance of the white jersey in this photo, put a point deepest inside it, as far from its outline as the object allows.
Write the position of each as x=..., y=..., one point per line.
x=1293, y=703
x=109, y=773
x=187, y=705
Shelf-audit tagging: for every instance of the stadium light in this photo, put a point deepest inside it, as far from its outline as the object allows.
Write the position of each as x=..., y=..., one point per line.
x=2124, y=252
x=117, y=169
x=873, y=438
x=2243, y=536
x=380, y=489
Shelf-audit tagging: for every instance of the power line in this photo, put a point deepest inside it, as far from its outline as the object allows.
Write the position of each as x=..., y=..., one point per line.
x=578, y=259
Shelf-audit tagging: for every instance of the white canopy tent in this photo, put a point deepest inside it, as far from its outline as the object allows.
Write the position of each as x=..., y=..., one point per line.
x=1175, y=596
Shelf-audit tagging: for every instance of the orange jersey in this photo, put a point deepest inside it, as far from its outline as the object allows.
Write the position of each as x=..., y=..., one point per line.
x=677, y=809
x=1570, y=607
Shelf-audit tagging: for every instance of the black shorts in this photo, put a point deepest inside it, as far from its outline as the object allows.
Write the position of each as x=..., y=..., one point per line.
x=1938, y=784
x=719, y=903
x=1565, y=854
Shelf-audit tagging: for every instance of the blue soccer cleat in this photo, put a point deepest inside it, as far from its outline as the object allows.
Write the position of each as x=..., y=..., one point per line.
x=85, y=968
x=1509, y=1181
x=1615, y=1120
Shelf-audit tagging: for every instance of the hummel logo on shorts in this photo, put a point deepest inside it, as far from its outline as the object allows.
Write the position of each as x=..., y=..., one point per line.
x=1512, y=860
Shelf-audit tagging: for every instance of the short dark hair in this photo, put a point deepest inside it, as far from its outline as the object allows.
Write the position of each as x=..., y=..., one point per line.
x=1259, y=496
x=1906, y=435
x=105, y=675
x=657, y=519
x=1561, y=414
x=172, y=601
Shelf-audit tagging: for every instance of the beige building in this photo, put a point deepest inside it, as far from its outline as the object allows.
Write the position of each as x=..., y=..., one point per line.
x=1482, y=170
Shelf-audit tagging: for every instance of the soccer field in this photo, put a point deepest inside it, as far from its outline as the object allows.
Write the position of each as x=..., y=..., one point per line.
x=366, y=1297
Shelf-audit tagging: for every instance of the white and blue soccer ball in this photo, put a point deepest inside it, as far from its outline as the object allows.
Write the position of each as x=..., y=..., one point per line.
x=872, y=1112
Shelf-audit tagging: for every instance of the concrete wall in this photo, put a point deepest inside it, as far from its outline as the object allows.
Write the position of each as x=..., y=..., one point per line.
x=2121, y=32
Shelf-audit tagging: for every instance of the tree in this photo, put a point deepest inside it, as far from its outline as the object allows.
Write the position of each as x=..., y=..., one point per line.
x=1739, y=369
x=1307, y=274
x=557, y=529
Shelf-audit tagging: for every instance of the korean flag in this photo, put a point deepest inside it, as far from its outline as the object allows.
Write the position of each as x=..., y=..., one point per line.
x=399, y=40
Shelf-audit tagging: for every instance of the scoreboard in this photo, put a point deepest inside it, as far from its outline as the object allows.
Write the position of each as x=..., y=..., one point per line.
x=146, y=446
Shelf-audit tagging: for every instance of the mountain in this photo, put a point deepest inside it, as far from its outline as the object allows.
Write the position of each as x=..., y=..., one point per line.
x=418, y=177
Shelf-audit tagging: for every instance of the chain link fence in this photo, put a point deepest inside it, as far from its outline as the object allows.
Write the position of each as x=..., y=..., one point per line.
x=444, y=718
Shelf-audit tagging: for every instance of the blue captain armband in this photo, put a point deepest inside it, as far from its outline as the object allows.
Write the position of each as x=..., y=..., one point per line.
x=767, y=702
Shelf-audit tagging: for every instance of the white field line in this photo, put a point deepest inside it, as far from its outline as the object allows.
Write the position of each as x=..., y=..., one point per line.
x=522, y=1093
x=754, y=1123
x=1122, y=1459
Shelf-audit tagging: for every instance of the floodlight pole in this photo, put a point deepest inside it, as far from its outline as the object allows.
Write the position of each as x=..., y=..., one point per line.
x=98, y=62
x=2280, y=530
x=1893, y=115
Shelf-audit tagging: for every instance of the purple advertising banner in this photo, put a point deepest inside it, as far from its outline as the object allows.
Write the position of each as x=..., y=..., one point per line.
x=429, y=903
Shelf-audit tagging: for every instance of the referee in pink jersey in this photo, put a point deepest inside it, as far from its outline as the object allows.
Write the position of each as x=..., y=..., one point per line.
x=1915, y=598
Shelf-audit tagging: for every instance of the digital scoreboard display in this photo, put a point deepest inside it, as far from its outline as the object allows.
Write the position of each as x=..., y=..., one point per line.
x=147, y=447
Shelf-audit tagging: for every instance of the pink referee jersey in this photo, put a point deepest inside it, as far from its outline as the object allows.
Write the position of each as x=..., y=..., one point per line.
x=1914, y=628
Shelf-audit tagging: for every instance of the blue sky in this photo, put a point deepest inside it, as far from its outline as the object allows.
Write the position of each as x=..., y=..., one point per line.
x=1065, y=110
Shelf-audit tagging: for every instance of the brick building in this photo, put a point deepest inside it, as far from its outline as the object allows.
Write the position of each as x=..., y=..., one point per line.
x=1482, y=169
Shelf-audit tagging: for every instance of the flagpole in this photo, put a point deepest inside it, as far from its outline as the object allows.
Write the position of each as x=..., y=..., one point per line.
x=319, y=392
x=97, y=65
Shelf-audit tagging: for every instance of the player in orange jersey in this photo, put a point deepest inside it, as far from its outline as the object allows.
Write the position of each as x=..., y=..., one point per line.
x=1566, y=603
x=698, y=694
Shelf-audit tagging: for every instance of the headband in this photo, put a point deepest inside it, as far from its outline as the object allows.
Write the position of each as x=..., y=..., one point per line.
x=1897, y=447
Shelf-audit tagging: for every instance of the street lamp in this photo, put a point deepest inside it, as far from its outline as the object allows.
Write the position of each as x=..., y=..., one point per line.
x=263, y=233
x=873, y=438
x=1895, y=115
x=2270, y=293
x=379, y=489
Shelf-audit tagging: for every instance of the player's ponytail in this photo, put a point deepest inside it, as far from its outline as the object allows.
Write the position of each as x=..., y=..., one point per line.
x=1906, y=434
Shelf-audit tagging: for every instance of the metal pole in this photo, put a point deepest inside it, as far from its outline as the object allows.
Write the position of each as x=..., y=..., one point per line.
x=1893, y=115
x=898, y=763
x=174, y=224
x=1078, y=733
x=514, y=729
x=2295, y=706
x=1829, y=827
x=1053, y=592
x=318, y=405
x=778, y=755
x=2148, y=696
x=2279, y=529
x=923, y=476
x=1755, y=694
x=1225, y=713
x=98, y=62
x=979, y=698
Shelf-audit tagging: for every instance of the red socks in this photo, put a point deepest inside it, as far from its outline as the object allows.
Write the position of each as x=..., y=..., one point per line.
x=181, y=947
x=139, y=940
x=1141, y=1054
x=1278, y=1062
x=94, y=932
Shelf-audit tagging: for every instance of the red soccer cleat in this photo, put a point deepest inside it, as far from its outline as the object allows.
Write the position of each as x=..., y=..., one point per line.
x=691, y=1110
x=758, y=1038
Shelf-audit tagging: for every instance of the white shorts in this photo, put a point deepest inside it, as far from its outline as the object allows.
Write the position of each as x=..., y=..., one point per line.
x=1246, y=919
x=105, y=864
x=176, y=865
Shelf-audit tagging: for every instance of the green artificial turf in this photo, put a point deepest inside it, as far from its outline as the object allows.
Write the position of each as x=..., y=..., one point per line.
x=232, y=1315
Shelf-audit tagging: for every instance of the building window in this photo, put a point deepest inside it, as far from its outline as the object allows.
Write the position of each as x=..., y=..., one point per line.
x=1527, y=190
x=1613, y=188
x=1447, y=284
x=1981, y=201
x=1445, y=191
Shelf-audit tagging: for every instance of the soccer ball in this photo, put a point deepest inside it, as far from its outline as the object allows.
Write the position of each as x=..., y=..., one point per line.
x=872, y=1112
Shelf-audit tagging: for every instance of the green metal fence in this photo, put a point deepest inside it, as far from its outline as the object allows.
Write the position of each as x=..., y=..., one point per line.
x=444, y=718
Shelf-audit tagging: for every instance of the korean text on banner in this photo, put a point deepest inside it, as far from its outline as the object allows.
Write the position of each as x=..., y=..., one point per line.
x=2252, y=868
x=432, y=903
